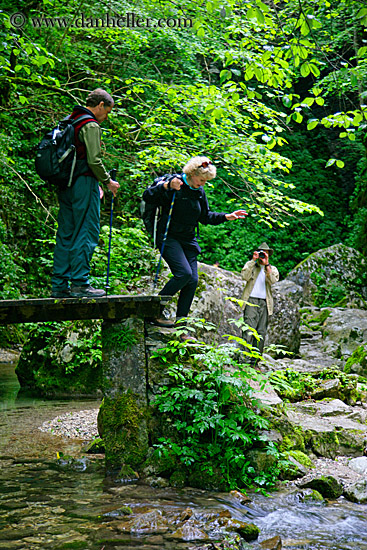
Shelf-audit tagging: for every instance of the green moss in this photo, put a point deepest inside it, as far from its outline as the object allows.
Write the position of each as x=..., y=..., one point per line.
x=202, y=283
x=209, y=481
x=178, y=479
x=122, y=424
x=358, y=357
x=302, y=458
x=248, y=531
x=328, y=486
x=313, y=496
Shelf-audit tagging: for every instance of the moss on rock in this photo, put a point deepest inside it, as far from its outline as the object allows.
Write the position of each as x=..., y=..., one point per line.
x=302, y=458
x=122, y=425
x=248, y=531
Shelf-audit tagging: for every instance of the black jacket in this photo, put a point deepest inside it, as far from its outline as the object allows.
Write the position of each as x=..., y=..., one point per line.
x=190, y=208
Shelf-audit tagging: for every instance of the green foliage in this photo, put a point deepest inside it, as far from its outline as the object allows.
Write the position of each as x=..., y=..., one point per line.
x=297, y=386
x=292, y=385
x=132, y=258
x=62, y=358
x=273, y=93
x=210, y=409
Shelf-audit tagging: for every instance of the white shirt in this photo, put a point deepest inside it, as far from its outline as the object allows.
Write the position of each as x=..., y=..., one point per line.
x=259, y=290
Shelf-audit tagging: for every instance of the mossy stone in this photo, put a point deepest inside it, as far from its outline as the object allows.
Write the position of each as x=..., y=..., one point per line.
x=122, y=424
x=328, y=486
x=208, y=481
x=313, y=496
x=302, y=458
x=178, y=479
x=248, y=531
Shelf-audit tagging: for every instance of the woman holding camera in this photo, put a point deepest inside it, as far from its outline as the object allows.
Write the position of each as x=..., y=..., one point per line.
x=259, y=276
x=181, y=247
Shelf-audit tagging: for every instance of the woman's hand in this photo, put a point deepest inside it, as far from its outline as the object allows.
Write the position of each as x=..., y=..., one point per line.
x=238, y=214
x=174, y=184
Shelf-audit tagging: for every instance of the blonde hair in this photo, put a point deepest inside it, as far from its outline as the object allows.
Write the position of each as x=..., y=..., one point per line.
x=194, y=168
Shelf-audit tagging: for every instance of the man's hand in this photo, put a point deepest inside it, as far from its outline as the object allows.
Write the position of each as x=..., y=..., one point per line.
x=100, y=192
x=174, y=184
x=238, y=214
x=113, y=187
x=265, y=260
x=255, y=256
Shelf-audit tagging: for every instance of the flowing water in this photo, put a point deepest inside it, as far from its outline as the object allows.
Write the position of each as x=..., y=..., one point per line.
x=46, y=503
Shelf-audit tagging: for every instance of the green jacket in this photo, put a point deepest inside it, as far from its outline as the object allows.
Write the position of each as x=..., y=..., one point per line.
x=250, y=273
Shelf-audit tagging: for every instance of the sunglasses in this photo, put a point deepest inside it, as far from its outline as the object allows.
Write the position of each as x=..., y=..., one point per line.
x=205, y=164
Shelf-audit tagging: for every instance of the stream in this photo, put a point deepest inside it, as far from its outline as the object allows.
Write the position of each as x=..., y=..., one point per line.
x=68, y=503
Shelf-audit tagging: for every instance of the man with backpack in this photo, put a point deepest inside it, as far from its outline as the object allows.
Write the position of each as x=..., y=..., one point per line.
x=79, y=214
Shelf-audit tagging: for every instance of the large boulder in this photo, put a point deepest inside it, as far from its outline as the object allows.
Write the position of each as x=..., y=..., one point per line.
x=285, y=322
x=212, y=303
x=330, y=427
x=332, y=276
x=343, y=331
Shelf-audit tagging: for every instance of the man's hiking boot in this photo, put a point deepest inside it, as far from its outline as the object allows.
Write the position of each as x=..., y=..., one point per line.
x=66, y=293
x=162, y=322
x=86, y=291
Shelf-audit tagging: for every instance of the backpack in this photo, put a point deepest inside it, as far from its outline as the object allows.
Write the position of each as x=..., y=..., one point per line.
x=151, y=213
x=56, y=153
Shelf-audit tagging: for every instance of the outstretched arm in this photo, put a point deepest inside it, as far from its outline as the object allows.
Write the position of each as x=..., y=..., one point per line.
x=238, y=214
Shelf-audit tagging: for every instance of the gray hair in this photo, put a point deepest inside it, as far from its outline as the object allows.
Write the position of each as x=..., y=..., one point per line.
x=194, y=168
x=98, y=95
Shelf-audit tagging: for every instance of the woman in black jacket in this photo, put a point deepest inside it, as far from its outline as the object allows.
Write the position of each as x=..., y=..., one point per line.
x=181, y=247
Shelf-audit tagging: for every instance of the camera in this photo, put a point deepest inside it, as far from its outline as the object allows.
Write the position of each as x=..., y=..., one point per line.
x=261, y=254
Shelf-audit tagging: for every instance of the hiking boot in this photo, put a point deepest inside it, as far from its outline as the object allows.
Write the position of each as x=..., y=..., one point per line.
x=66, y=293
x=86, y=291
x=162, y=322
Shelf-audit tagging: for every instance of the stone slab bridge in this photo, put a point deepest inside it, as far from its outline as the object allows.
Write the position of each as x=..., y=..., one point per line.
x=125, y=356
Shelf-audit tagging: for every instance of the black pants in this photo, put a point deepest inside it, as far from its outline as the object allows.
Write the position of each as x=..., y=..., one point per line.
x=182, y=262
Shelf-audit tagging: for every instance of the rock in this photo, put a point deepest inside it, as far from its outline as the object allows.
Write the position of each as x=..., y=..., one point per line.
x=95, y=446
x=328, y=486
x=157, y=482
x=284, y=325
x=260, y=460
x=330, y=427
x=344, y=331
x=188, y=532
x=302, y=458
x=293, y=469
x=275, y=543
x=357, y=362
x=240, y=497
x=327, y=388
x=357, y=492
x=209, y=481
x=210, y=303
x=178, y=479
x=310, y=495
x=359, y=465
x=248, y=531
x=330, y=276
x=265, y=393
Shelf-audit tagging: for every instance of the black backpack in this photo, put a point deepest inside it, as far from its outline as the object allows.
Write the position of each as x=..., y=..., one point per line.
x=150, y=213
x=56, y=154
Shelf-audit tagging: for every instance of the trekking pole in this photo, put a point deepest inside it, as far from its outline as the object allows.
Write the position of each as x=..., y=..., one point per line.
x=164, y=239
x=113, y=176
